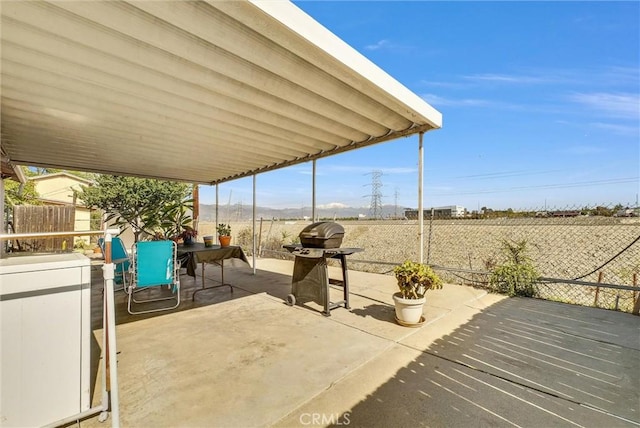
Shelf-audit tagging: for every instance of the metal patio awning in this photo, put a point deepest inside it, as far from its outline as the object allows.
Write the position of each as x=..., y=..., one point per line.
x=203, y=91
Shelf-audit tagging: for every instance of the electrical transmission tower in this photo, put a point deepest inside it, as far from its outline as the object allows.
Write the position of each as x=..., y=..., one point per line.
x=396, y=204
x=239, y=212
x=375, y=207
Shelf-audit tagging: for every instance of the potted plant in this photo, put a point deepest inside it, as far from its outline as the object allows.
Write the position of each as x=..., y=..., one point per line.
x=224, y=234
x=188, y=235
x=414, y=279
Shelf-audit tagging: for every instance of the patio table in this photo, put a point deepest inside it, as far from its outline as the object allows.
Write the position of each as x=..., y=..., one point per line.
x=198, y=253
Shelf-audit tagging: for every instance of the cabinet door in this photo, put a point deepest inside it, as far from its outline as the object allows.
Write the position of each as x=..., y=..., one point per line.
x=42, y=346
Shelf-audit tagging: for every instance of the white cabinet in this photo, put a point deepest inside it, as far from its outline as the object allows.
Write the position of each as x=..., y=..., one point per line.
x=45, y=333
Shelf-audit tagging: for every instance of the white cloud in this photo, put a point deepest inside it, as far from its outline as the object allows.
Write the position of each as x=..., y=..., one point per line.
x=448, y=85
x=437, y=100
x=613, y=104
x=621, y=75
x=388, y=46
x=509, y=78
x=382, y=44
x=606, y=76
x=617, y=129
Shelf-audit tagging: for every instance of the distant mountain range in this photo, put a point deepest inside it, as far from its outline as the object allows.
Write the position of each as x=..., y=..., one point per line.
x=238, y=212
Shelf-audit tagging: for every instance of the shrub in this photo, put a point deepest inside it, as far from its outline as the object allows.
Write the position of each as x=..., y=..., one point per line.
x=516, y=275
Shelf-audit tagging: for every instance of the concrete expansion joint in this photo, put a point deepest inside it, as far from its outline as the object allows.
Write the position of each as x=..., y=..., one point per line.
x=348, y=373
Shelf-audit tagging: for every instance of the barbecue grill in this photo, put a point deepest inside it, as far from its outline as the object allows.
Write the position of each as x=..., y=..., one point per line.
x=310, y=282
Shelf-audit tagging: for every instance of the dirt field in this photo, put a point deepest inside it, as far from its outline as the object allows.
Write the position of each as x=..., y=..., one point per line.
x=565, y=248
x=560, y=248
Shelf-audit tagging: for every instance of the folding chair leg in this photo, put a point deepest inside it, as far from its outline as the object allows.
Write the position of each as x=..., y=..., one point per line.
x=131, y=301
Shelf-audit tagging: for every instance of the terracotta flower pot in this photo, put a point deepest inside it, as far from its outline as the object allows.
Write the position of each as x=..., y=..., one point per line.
x=224, y=240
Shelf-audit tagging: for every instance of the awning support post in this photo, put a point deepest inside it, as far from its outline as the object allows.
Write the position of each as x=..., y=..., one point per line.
x=253, y=233
x=420, y=196
x=196, y=205
x=314, y=216
x=217, y=200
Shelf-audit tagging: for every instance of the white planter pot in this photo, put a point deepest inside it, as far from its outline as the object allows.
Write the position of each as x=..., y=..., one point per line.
x=408, y=311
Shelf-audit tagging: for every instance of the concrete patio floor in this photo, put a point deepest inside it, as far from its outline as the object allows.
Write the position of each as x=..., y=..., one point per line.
x=246, y=359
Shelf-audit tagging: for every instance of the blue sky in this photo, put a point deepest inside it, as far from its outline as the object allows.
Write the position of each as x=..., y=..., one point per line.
x=540, y=104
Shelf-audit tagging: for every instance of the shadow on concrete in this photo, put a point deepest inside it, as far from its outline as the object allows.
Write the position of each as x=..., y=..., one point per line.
x=521, y=362
x=244, y=282
x=377, y=311
x=95, y=351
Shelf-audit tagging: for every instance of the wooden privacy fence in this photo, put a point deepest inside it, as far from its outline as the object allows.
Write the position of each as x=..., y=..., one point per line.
x=43, y=218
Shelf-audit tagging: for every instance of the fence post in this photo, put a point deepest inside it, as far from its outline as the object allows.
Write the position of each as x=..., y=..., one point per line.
x=429, y=240
x=260, y=239
x=595, y=301
x=636, y=297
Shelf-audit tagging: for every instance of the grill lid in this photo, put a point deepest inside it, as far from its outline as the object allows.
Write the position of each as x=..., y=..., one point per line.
x=324, y=234
x=322, y=229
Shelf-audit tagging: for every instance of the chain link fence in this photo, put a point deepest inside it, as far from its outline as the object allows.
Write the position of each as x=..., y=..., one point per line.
x=582, y=259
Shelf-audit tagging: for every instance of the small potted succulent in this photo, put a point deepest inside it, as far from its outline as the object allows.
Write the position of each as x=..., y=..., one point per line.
x=224, y=234
x=414, y=279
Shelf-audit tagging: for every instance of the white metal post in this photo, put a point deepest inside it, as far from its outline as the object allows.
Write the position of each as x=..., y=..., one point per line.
x=420, y=196
x=109, y=316
x=253, y=216
x=216, y=222
x=314, y=216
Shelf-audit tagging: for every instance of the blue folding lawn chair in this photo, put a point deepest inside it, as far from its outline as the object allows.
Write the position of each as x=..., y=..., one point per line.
x=154, y=265
x=120, y=258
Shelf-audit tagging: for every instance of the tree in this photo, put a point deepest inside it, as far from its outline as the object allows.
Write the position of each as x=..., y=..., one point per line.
x=139, y=203
x=603, y=211
x=18, y=194
x=15, y=194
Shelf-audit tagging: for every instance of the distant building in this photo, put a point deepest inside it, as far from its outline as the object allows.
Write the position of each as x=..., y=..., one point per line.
x=451, y=211
x=60, y=189
x=565, y=213
x=627, y=212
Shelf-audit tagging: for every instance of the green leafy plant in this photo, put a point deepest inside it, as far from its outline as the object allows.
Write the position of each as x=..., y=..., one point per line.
x=224, y=229
x=188, y=233
x=414, y=279
x=176, y=220
x=81, y=244
x=138, y=203
x=516, y=275
x=245, y=240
